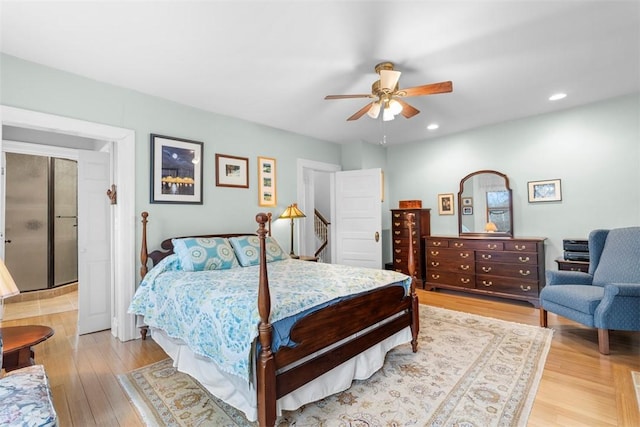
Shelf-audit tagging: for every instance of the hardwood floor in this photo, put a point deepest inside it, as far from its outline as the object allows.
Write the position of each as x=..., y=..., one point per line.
x=579, y=386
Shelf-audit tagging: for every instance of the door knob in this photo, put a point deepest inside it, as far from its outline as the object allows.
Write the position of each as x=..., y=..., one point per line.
x=7, y=241
x=377, y=236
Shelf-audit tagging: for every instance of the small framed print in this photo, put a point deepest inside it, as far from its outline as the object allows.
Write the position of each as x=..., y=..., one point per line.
x=544, y=191
x=266, y=181
x=176, y=170
x=445, y=204
x=232, y=171
x=467, y=201
x=467, y=210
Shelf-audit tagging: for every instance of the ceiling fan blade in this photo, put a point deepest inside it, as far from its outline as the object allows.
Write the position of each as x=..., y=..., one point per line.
x=361, y=112
x=347, y=96
x=389, y=79
x=430, y=89
x=408, y=111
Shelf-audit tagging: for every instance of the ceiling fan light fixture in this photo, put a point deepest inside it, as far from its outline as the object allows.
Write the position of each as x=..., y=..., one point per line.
x=389, y=79
x=387, y=115
x=395, y=107
x=374, y=111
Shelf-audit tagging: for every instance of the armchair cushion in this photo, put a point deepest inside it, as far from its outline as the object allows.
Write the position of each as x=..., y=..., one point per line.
x=25, y=398
x=577, y=302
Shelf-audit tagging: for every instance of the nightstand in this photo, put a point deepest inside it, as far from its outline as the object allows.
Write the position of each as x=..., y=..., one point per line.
x=568, y=265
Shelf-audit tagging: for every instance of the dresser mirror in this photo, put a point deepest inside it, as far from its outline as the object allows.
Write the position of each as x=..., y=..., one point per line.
x=485, y=205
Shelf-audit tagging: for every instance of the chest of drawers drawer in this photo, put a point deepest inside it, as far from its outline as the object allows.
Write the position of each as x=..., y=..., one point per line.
x=451, y=278
x=460, y=266
x=507, y=270
x=519, y=258
x=507, y=285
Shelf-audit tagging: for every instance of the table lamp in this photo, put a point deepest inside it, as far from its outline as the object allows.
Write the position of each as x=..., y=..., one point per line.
x=490, y=227
x=7, y=286
x=292, y=212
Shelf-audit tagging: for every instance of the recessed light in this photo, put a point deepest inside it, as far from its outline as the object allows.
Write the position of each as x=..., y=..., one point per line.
x=557, y=96
x=433, y=126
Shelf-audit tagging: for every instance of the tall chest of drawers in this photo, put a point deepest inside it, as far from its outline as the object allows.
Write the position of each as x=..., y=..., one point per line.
x=510, y=267
x=400, y=240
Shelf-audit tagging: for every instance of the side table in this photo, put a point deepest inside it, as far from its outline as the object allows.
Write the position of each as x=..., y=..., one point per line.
x=17, y=343
x=568, y=265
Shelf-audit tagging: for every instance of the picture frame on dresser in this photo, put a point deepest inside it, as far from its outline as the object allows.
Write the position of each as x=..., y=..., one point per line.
x=176, y=170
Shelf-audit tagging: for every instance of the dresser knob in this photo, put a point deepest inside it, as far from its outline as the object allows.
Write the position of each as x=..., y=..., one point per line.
x=397, y=224
x=465, y=280
x=525, y=273
x=464, y=267
x=398, y=251
x=435, y=276
x=485, y=256
x=527, y=289
x=464, y=255
x=486, y=269
x=521, y=248
x=524, y=259
x=434, y=253
x=397, y=242
x=397, y=232
x=398, y=260
x=435, y=263
x=492, y=246
x=436, y=243
x=458, y=244
x=487, y=283
x=396, y=215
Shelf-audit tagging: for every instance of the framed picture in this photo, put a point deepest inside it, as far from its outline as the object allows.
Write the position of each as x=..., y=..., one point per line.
x=232, y=171
x=544, y=191
x=467, y=210
x=467, y=201
x=176, y=170
x=445, y=204
x=266, y=181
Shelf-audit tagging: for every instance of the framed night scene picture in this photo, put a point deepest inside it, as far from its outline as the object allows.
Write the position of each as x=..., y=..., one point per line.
x=176, y=170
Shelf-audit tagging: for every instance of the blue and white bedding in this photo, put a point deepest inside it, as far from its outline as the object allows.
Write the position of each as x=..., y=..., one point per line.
x=215, y=311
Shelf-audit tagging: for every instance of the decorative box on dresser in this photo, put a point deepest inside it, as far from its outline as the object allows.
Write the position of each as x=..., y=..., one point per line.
x=506, y=267
x=400, y=240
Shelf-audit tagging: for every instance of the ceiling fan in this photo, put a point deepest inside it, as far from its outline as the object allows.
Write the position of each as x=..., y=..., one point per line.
x=388, y=97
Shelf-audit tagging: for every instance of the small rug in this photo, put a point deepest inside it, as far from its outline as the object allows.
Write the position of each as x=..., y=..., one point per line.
x=635, y=376
x=469, y=371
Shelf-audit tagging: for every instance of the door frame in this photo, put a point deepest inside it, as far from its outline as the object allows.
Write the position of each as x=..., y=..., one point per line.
x=305, y=202
x=123, y=169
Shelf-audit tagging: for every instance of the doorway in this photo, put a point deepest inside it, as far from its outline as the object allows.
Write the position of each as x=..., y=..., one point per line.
x=123, y=247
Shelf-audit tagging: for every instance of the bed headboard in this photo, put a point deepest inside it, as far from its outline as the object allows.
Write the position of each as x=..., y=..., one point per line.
x=158, y=255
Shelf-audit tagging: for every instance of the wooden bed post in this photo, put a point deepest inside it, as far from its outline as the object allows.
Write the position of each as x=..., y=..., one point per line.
x=144, y=256
x=415, y=306
x=265, y=369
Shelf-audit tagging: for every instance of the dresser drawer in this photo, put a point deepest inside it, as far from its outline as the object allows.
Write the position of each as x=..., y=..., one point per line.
x=449, y=254
x=521, y=246
x=459, y=266
x=507, y=285
x=404, y=242
x=450, y=278
x=510, y=270
x=437, y=243
x=402, y=232
x=528, y=258
x=477, y=244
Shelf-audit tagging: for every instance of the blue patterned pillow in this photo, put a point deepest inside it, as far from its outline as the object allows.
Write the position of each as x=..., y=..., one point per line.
x=204, y=253
x=248, y=248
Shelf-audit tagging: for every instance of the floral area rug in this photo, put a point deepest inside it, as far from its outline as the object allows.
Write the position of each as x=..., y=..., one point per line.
x=469, y=371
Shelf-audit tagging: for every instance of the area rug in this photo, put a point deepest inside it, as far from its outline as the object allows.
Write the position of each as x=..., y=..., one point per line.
x=469, y=371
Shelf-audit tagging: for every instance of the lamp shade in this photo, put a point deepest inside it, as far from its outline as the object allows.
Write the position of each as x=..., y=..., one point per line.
x=7, y=285
x=490, y=227
x=292, y=211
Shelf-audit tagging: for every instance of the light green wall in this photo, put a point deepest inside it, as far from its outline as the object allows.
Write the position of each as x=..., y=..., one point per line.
x=594, y=150
x=34, y=87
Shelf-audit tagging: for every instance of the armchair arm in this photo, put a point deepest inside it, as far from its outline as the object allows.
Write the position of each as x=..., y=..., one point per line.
x=563, y=277
x=622, y=289
x=619, y=307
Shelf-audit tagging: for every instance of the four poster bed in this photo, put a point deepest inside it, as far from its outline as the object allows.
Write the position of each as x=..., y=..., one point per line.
x=315, y=328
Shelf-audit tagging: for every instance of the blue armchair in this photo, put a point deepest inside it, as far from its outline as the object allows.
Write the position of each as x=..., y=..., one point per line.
x=608, y=296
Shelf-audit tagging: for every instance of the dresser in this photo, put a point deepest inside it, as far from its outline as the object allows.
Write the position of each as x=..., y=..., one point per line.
x=505, y=267
x=400, y=240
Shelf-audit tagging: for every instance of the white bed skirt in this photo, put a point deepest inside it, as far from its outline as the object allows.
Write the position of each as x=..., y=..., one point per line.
x=237, y=393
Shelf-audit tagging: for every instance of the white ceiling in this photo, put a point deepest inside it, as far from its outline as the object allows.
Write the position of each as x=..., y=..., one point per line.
x=272, y=62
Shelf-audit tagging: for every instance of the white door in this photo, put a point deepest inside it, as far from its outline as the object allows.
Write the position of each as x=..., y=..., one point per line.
x=359, y=218
x=94, y=243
